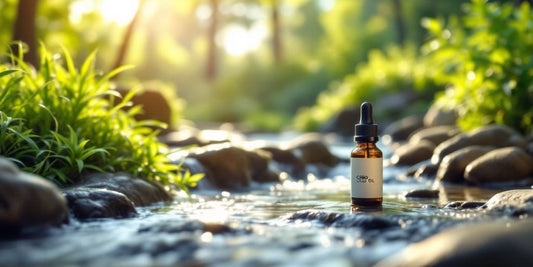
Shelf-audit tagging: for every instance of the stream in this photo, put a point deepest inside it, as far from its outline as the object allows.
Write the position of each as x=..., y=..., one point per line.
x=291, y=223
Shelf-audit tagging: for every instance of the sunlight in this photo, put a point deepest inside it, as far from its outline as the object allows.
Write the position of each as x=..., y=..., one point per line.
x=238, y=40
x=117, y=11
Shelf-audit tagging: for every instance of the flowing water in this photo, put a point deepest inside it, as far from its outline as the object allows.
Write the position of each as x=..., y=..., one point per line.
x=292, y=223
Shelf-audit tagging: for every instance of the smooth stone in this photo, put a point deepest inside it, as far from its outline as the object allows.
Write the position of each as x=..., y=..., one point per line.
x=500, y=165
x=464, y=205
x=414, y=168
x=367, y=222
x=401, y=130
x=287, y=160
x=438, y=116
x=435, y=135
x=228, y=167
x=140, y=191
x=27, y=200
x=426, y=170
x=452, y=167
x=154, y=103
x=311, y=149
x=492, y=135
x=478, y=244
x=422, y=193
x=93, y=203
x=511, y=199
x=412, y=153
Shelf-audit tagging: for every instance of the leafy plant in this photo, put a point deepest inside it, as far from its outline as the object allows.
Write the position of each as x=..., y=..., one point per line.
x=61, y=122
x=485, y=59
x=394, y=70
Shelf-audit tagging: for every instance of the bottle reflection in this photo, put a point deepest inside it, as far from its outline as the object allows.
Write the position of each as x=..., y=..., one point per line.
x=370, y=210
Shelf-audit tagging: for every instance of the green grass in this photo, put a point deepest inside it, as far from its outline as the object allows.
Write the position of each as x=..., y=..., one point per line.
x=61, y=122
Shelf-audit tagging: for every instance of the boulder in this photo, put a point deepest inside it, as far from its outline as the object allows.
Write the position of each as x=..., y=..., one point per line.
x=452, y=167
x=501, y=243
x=93, y=203
x=500, y=165
x=422, y=193
x=154, y=104
x=412, y=153
x=438, y=116
x=141, y=192
x=401, y=130
x=229, y=167
x=435, y=135
x=286, y=160
x=311, y=149
x=426, y=170
x=27, y=200
x=510, y=199
x=493, y=135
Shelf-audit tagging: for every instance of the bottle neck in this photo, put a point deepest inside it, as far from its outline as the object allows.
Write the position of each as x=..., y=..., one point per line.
x=366, y=144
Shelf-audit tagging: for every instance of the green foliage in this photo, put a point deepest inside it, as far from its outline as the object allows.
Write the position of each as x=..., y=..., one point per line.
x=485, y=58
x=394, y=70
x=60, y=122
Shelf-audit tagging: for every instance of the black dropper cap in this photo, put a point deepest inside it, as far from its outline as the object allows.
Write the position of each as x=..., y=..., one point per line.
x=366, y=130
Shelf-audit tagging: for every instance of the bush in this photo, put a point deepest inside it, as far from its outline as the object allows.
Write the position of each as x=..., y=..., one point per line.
x=60, y=122
x=486, y=61
x=394, y=70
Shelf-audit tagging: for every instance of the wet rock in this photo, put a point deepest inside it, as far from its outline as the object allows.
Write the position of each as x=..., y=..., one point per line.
x=402, y=129
x=230, y=167
x=426, y=170
x=414, y=168
x=437, y=116
x=452, y=167
x=92, y=203
x=27, y=200
x=464, y=205
x=480, y=244
x=472, y=204
x=422, y=193
x=287, y=160
x=367, y=222
x=500, y=165
x=343, y=122
x=511, y=199
x=412, y=153
x=492, y=135
x=311, y=149
x=435, y=135
x=141, y=192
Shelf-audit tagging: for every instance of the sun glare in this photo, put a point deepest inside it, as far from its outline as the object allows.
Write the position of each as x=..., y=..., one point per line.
x=238, y=40
x=114, y=11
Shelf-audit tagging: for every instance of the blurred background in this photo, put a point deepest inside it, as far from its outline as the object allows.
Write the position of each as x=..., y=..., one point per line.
x=263, y=64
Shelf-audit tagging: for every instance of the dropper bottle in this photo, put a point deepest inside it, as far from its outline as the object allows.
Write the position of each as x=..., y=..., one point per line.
x=366, y=163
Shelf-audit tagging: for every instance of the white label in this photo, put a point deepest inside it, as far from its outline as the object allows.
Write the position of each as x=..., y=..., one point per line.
x=366, y=177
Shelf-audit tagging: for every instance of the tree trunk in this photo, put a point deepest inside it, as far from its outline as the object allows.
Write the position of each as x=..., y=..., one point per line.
x=211, y=70
x=276, y=32
x=25, y=30
x=400, y=24
x=127, y=37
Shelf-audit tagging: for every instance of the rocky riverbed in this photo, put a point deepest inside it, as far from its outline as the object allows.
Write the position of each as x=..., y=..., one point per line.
x=301, y=219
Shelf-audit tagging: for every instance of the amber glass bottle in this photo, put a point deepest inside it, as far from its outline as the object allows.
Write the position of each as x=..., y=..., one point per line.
x=366, y=163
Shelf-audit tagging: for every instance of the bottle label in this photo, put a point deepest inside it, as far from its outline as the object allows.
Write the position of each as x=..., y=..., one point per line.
x=366, y=177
